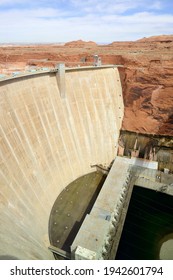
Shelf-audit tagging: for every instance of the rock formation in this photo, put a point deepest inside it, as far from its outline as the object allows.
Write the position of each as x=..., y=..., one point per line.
x=80, y=44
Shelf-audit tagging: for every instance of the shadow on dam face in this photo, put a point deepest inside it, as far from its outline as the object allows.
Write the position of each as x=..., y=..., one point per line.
x=47, y=142
x=71, y=207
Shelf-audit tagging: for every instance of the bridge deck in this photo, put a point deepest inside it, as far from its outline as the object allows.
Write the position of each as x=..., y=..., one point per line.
x=96, y=225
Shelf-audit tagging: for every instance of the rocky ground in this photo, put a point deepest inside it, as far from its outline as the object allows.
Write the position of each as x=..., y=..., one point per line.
x=146, y=75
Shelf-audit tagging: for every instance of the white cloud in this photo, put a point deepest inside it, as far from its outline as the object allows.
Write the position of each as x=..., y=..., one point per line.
x=109, y=6
x=157, y=5
x=86, y=6
x=116, y=6
x=104, y=22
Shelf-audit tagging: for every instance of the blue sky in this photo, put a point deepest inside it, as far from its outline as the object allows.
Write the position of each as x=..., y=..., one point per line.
x=97, y=20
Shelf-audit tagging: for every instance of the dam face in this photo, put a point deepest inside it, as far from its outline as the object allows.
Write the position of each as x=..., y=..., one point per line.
x=47, y=141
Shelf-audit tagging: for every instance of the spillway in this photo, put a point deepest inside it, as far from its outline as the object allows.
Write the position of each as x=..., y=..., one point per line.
x=49, y=139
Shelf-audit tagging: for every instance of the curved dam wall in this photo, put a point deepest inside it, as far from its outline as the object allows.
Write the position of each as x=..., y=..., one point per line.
x=47, y=142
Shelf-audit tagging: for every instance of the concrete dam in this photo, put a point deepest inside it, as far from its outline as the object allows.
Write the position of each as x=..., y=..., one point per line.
x=55, y=128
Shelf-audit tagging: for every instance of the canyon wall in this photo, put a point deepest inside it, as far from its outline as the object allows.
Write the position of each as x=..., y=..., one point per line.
x=148, y=95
